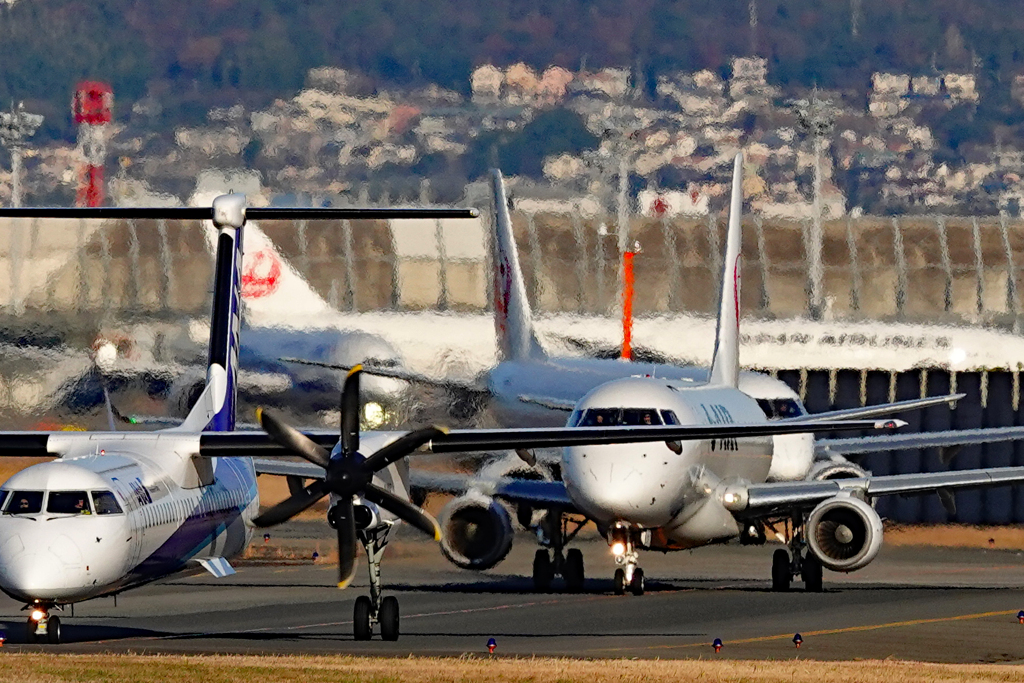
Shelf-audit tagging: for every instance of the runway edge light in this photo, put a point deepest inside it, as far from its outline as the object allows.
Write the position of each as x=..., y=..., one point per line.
x=491, y=644
x=717, y=645
x=797, y=640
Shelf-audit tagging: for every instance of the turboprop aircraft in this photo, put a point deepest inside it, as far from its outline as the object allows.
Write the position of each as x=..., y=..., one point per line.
x=118, y=510
x=674, y=496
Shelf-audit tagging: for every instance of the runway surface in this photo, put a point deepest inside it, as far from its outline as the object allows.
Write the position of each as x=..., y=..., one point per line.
x=911, y=603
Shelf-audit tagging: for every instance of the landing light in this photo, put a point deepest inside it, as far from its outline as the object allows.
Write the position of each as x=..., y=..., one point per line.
x=373, y=414
x=618, y=548
x=38, y=614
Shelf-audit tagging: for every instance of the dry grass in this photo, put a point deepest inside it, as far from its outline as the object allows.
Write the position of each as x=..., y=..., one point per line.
x=956, y=536
x=39, y=668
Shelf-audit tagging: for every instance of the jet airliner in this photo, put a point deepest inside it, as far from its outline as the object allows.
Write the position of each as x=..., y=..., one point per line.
x=673, y=496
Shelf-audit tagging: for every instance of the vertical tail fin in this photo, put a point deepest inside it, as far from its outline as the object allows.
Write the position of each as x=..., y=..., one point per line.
x=513, y=321
x=215, y=409
x=725, y=365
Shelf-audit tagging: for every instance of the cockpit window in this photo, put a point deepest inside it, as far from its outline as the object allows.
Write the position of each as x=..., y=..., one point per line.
x=574, y=419
x=25, y=503
x=610, y=417
x=640, y=416
x=3, y=497
x=780, y=408
x=669, y=417
x=105, y=503
x=68, y=503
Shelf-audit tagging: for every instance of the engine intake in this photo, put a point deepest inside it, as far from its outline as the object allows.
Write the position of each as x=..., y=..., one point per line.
x=476, y=532
x=845, y=533
x=827, y=470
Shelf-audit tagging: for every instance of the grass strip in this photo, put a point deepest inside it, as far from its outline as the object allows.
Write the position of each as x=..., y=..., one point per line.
x=49, y=668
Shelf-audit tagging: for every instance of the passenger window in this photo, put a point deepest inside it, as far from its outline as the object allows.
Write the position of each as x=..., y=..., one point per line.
x=669, y=417
x=68, y=503
x=25, y=503
x=105, y=503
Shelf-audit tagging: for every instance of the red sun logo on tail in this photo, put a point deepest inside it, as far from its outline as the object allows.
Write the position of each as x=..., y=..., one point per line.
x=261, y=274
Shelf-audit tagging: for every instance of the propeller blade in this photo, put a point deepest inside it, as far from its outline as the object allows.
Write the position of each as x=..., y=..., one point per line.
x=292, y=439
x=404, y=510
x=401, y=447
x=350, y=413
x=293, y=505
x=345, y=521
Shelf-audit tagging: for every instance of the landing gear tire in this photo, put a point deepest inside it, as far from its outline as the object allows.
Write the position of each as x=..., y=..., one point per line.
x=781, y=576
x=620, y=582
x=361, y=628
x=636, y=585
x=574, y=571
x=811, y=573
x=388, y=618
x=543, y=572
x=53, y=631
x=30, y=631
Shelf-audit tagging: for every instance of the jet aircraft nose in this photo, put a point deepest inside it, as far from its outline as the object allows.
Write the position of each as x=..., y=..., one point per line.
x=620, y=483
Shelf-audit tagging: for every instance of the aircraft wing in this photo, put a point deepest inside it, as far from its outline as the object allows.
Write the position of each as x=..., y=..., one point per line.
x=950, y=441
x=288, y=468
x=514, y=490
x=762, y=499
x=259, y=444
x=867, y=412
x=398, y=373
x=548, y=402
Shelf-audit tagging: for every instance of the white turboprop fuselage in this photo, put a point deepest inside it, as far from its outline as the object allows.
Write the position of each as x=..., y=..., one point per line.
x=162, y=523
x=652, y=487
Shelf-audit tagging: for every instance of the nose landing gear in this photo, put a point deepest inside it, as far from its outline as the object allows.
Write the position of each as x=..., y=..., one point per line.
x=628, y=576
x=375, y=609
x=41, y=627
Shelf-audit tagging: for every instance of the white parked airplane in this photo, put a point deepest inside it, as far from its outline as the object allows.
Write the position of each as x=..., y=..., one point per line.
x=665, y=496
x=118, y=510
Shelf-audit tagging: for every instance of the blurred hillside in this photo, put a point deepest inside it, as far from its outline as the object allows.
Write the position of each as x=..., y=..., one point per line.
x=225, y=51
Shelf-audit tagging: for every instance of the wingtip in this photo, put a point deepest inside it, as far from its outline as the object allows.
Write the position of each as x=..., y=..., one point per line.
x=355, y=369
x=259, y=414
x=342, y=585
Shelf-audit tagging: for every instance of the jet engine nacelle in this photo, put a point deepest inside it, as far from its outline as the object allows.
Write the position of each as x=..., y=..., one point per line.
x=476, y=532
x=845, y=533
x=839, y=468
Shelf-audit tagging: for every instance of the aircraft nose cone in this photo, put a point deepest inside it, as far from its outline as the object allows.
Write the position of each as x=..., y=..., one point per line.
x=612, y=489
x=44, y=574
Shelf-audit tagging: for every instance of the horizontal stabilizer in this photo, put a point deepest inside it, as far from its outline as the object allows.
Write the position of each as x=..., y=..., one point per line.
x=217, y=566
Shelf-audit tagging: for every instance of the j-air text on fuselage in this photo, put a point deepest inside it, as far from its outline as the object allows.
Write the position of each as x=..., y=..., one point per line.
x=118, y=510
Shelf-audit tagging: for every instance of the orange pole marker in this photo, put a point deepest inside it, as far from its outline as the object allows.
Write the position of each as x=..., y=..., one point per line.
x=627, y=305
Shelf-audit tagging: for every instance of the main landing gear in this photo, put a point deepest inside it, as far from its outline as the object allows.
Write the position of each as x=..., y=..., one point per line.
x=375, y=608
x=41, y=627
x=796, y=562
x=557, y=530
x=628, y=577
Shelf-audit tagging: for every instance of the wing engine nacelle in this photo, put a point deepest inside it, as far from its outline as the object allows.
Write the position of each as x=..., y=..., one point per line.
x=839, y=468
x=845, y=533
x=476, y=532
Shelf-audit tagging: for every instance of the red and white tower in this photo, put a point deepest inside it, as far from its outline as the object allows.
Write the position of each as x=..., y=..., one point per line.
x=92, y=108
